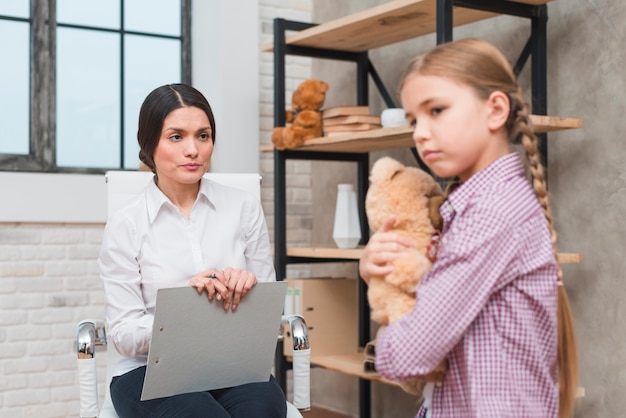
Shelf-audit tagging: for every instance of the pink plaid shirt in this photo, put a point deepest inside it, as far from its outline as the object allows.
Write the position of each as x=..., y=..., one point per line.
x=488, y=305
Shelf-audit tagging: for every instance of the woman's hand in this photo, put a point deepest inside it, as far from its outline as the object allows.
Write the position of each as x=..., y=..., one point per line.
x=239, y=282
x=381, y=250
x=214, y=283
x=229, y=285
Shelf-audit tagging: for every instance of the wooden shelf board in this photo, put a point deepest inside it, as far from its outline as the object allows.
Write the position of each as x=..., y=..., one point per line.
x=350, y=364
x=401, y=137
x=355, y=253
x=325, y=252
x=382, y=25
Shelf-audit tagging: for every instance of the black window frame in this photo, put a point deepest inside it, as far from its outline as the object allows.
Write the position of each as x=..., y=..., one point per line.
x=42, y=129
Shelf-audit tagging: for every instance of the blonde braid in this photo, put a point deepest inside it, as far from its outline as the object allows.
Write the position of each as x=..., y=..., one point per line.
x=567, y=353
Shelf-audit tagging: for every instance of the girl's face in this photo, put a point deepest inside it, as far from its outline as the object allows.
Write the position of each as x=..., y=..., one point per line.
x=456, y=132
x=184, y=151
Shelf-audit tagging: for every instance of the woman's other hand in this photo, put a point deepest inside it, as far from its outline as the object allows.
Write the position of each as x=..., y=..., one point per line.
x=239, y=282
x=381, y=250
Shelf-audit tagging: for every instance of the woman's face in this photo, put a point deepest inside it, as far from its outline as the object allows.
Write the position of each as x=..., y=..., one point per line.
x=456, y=133
x=184, y=151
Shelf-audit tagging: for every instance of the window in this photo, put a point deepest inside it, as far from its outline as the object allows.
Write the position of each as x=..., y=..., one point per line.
x=75, y=107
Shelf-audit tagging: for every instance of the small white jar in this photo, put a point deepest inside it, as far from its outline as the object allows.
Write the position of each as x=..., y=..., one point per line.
x=393, y=117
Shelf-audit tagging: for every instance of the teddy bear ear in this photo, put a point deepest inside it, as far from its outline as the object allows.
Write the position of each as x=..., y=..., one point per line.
x=323, y=86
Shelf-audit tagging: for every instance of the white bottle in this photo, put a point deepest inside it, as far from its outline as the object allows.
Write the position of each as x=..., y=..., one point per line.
x=346, y=229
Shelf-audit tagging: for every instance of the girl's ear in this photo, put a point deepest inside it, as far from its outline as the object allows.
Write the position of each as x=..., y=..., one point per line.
x=499, y=108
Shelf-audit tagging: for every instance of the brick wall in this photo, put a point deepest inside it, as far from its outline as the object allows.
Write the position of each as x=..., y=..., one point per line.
x=49, y=277
x=48, y=283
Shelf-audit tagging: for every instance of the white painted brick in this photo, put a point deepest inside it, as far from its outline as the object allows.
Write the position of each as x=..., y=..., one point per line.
x=83, y=252
x=51, y=410
x=11, y=317
x=39, y=284
x=50, y=316
x=12, y=350
x=21, y=269
x=66, y=268
x=49, y=380
x=16, y=236
x=93, y=235
x=7, y=285
x=21, y=366
x=9, y=253
x=22, y=398
x=86, y=282
x=22, y=301
x=43, y=252
x=62, y=236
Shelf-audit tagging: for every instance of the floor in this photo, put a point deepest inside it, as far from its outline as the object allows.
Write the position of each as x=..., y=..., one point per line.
x=317, y=412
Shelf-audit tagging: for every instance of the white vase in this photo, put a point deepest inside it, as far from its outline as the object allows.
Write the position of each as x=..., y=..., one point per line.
x=346, y=229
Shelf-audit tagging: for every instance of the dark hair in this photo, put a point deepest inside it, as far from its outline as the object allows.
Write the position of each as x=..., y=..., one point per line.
x=155, y=108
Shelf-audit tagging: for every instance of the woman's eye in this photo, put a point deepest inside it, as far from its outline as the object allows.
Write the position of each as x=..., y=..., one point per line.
x=436, y=110
x=175, y=137
x=412, y=122
x=205, y=136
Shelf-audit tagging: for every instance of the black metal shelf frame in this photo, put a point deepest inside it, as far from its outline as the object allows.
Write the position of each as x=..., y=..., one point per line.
x=536, y=47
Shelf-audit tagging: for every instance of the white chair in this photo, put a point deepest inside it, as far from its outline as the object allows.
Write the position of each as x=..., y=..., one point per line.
x=121, y=185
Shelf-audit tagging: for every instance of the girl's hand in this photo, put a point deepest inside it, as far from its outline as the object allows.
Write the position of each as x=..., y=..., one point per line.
x=213, y=282
x=381, y=250
x=239, y=282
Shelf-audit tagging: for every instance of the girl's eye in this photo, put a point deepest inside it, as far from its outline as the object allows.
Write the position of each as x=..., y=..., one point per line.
x=412, y=122
x=205, y=136
x=175, y=137
x=436, y=110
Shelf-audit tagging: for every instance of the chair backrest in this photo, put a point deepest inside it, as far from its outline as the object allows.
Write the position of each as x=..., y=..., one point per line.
x=122, y=185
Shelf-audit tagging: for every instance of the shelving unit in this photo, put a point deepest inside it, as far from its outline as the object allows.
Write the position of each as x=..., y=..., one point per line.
x=349, y=39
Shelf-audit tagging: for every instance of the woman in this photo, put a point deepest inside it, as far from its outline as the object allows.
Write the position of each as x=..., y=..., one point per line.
x=182, y=231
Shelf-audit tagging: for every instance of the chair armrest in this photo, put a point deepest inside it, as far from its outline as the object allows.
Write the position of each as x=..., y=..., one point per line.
x=301, y=361
x=90, y=334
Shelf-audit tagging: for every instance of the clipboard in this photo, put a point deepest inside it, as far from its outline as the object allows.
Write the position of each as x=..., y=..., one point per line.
x=198, y=346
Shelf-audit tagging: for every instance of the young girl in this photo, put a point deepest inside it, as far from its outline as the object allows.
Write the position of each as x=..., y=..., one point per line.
x=489, y=305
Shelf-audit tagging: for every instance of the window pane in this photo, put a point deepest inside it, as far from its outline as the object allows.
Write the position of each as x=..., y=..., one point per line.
x=102, y=14
x=88, y=98
x=14, y=88
x=148, y=64
x=153, y=16
x=15, y=8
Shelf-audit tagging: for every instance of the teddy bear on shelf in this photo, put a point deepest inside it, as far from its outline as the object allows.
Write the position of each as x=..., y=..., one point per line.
x=305, y=117
x=414, y=197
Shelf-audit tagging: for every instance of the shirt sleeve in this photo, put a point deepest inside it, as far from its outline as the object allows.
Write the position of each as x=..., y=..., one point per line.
x=258, y=251
x=129, y=323
x=470, y=267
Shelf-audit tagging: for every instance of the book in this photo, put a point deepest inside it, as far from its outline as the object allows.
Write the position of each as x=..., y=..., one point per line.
x=343, y=120
x=331, y=112
x=350, y=127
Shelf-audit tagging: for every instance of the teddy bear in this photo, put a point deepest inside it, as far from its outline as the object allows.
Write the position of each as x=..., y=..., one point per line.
x=305, y=115
x=414, y=197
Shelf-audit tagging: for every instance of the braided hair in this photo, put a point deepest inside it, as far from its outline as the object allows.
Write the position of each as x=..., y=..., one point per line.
x=481, y=66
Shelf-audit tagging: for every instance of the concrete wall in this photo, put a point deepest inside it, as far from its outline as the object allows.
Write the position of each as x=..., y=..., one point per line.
x=587, y=183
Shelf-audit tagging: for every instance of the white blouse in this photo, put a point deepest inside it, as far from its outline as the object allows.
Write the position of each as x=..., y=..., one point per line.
x=149, y=244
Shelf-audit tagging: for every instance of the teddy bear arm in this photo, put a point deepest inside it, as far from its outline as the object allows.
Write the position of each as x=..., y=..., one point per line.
x=408, y=271
x=278, y=138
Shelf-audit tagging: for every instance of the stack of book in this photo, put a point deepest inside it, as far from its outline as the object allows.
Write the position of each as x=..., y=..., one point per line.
x=339, y=120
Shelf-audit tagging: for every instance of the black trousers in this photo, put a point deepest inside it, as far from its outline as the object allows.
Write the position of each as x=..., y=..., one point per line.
x=258, y=400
